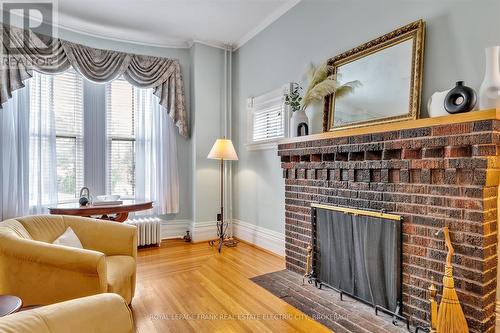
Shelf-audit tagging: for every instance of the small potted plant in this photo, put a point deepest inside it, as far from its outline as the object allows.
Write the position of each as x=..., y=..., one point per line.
x=293, y=99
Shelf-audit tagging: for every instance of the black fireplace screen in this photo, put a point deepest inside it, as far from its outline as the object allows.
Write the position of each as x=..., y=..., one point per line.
x=358, y=254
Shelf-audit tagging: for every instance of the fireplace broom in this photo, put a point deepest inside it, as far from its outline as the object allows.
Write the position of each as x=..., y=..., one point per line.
x=451, y=318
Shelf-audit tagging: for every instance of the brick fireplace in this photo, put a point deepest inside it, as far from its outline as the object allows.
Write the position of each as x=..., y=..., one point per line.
x=434, y=172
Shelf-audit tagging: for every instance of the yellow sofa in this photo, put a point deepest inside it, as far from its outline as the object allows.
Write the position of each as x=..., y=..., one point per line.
x=99, y=313
x=42, y=273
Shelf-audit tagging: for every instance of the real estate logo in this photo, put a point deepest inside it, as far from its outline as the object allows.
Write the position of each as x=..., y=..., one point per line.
x=28, y=30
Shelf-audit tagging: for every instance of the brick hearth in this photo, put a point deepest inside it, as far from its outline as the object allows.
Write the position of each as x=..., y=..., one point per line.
x=324, y=305
x=442, y=175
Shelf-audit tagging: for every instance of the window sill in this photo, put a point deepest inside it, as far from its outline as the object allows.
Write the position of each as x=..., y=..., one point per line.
x=262, y=145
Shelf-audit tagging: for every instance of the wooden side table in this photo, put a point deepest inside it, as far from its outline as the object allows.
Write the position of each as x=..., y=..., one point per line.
x=121, y=211
x=9, y=304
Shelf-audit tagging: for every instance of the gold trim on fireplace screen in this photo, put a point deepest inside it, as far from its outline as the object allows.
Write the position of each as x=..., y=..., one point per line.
x=358, y=211
x=415, y=31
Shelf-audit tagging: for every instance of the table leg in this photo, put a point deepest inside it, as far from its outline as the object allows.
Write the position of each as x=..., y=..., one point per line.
x=121, y=217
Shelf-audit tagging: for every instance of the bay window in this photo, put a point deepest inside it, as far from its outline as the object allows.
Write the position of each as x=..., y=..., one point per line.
x=133, y=153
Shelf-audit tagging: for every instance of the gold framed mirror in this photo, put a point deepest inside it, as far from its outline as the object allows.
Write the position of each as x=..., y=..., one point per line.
x=388, y=71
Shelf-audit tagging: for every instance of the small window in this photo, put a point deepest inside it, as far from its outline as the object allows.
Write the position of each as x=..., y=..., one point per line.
x=268, y=117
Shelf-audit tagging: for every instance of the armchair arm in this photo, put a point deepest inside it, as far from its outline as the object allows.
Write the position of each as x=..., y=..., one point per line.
x=99, y=313
x=62, y=257
x=42, y=273
x=110, y=238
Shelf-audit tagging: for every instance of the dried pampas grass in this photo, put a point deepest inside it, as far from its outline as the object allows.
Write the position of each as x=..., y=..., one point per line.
x=323, y=83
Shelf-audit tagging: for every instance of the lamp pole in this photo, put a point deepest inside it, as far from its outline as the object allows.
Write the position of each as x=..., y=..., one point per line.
x=221, y=217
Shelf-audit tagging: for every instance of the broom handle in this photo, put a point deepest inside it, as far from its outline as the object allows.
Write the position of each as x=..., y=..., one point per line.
x=447, y=240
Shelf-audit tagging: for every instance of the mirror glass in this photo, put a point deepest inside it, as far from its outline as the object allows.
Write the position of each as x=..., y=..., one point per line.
x=384, y=86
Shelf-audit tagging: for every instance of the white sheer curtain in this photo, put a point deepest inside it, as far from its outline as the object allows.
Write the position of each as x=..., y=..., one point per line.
x=14, y=145
x=157, y=176
x=28, y=164
x=42, y=153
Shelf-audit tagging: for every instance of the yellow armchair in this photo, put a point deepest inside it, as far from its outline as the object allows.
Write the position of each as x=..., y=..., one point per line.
x=41, y=273
x=100, y=313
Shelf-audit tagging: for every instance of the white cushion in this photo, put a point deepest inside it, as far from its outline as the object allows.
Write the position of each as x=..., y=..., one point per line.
x=68, y=238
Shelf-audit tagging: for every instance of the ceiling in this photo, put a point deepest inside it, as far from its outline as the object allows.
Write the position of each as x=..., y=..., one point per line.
x=172, y=23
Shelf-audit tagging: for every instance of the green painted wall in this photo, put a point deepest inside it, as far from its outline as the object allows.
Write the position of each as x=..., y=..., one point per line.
x=207, y=104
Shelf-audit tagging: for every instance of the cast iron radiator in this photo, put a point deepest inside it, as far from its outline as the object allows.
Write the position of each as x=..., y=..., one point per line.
x=358, y=253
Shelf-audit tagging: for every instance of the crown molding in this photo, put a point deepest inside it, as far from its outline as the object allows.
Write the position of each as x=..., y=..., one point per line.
x=217, y=45
x=181, y=44
x=171, y=45
x=267, y=22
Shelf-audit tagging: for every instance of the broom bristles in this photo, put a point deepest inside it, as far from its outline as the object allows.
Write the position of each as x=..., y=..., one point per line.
x=451, y=318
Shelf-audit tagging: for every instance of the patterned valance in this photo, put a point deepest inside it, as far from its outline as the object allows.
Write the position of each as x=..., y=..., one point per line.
x=23, y=51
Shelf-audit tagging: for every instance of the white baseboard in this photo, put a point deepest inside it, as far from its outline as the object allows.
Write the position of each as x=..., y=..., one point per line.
x=175, y=228
x=262, y=237
x=204, y=231
x=200, y=231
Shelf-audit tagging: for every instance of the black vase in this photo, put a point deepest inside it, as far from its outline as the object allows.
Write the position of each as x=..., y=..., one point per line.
x=460, y=99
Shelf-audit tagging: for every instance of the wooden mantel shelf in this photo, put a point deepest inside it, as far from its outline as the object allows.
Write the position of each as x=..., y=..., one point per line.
x=401, y=125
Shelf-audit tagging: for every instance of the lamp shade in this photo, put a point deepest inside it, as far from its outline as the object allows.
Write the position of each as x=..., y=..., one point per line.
x=223, y=149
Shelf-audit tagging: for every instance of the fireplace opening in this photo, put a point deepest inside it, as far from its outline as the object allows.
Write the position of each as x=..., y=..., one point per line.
x=358, y=253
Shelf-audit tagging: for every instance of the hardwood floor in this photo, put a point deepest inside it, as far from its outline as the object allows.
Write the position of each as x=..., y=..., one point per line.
x=184, y=287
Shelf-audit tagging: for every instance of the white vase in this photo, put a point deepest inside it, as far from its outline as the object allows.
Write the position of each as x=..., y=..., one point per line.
x=489, y=93
x=314, y=114
x=298, y=117
x=435, y=105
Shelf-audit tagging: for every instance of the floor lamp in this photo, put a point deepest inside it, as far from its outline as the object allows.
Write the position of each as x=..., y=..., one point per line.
x=222, y=150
